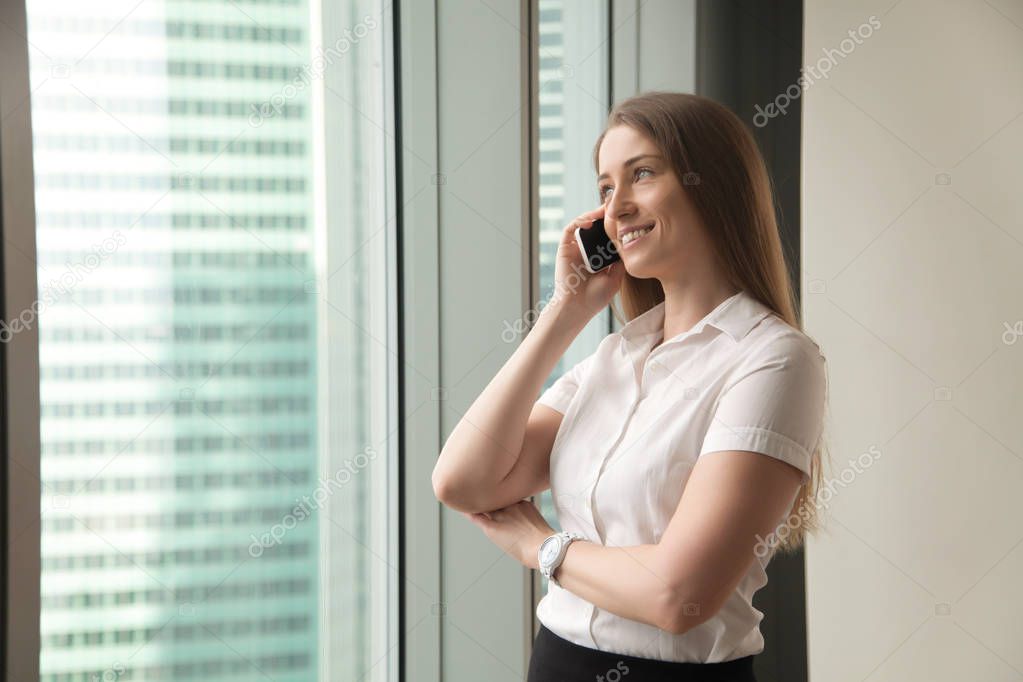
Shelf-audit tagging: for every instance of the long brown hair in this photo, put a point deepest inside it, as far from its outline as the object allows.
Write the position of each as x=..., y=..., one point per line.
x=717, y=160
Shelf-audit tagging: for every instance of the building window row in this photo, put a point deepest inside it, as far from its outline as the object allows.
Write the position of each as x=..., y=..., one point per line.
x=269, y=478
x=265, y=405
x=137, y=181
x=202, y=221
x=218, y=518
x=180, y=370
x=249, y=33
x=196, y=295
x=177, y=333
x=188, y=445
x=180, y=631
x=209, y=592
x=193, y=669
x=173, y=558
x=204, y=259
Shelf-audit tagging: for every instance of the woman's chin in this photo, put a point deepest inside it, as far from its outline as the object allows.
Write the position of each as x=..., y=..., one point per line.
x=636, y=267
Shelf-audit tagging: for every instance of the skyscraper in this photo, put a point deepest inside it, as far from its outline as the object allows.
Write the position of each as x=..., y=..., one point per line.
x=177, y=339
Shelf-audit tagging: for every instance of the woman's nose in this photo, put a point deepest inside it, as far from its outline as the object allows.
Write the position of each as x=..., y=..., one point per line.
x=618, y=209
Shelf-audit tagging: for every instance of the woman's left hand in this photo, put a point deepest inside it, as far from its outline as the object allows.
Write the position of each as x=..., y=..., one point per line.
x=518, y=529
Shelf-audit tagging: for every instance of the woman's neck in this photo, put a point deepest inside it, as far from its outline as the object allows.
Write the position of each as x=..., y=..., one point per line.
x=684, y=308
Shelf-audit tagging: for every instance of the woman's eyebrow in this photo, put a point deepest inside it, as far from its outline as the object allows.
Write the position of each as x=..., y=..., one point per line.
x=630, y=162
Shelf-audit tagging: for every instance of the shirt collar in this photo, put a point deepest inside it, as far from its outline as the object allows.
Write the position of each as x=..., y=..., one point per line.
x=735, y=316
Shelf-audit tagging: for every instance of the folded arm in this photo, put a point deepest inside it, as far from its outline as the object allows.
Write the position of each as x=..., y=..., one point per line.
x=732, y=500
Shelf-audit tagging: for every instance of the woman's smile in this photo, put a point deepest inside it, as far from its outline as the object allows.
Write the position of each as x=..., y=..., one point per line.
x=630, y=239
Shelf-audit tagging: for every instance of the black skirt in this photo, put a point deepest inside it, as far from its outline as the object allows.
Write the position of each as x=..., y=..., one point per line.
x=555, y=659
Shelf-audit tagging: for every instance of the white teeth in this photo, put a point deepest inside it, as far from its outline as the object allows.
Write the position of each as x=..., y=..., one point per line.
x=635, y=235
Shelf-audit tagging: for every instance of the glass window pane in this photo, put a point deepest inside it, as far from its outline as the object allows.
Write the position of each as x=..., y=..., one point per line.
x=216, y=404
x=574, y=54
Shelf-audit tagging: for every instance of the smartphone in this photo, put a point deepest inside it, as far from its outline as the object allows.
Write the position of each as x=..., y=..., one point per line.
x=596, y=247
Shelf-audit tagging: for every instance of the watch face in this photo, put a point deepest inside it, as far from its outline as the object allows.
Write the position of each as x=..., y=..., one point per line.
x=549, y=550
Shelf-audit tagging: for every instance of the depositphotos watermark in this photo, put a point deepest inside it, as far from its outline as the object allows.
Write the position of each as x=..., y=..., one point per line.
x=848, y=475
x=513, y=330
x=311, y=71
x=73, y=274
x=614, y=674
x=1012, y=332
x=310, y=503
x=111, y=674
x=780, y=105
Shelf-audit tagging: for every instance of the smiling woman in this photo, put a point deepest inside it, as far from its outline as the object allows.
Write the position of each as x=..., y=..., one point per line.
x=684, y=441
x=710, y=193
x=684, y=173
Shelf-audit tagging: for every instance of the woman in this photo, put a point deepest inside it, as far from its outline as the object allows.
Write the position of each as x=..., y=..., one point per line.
x=684, y=451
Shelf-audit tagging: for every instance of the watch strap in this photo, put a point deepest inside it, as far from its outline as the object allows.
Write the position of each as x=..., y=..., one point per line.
x=567, y=538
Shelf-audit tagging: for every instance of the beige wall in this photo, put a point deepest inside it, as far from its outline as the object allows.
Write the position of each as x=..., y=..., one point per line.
x=912, y=279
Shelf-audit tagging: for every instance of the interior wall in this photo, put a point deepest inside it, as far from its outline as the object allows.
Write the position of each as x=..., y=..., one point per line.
x=912, y=245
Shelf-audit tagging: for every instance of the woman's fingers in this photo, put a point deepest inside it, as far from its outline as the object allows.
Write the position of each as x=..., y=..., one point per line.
x=586, y=219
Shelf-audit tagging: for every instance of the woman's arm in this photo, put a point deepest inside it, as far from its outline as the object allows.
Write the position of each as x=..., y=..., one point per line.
x=632, y=582
x=732, y=501
x=627, y=581
x=485, y=444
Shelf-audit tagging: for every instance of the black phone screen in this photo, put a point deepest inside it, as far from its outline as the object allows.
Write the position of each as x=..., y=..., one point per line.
x=597, y=248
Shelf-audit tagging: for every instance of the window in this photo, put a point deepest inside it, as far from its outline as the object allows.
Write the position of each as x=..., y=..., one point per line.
x=572, y=105
x=213, y=234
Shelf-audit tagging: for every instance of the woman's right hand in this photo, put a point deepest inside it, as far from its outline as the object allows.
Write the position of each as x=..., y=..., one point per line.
x=575, y=288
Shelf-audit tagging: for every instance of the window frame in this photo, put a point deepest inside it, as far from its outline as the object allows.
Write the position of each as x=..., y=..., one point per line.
x=19, y=368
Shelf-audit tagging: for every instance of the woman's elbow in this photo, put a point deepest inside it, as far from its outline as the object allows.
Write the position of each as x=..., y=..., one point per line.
x=453, y=496
x=680, y=614
x=443, y=489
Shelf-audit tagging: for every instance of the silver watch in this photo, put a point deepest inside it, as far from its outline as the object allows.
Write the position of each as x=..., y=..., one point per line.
x=552, y=552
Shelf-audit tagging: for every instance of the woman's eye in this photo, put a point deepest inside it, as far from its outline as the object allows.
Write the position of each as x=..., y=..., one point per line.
x=603, y=190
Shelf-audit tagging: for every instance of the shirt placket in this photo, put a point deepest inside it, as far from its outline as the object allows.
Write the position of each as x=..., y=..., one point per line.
x=637, y=381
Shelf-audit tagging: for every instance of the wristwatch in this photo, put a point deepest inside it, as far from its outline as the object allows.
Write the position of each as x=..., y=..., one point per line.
x=552, y=552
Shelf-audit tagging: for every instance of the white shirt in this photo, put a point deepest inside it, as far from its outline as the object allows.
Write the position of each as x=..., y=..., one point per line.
x=635, y=423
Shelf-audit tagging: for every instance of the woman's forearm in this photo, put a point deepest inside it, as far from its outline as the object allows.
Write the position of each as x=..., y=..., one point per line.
x=485, y=444
x=629, y=582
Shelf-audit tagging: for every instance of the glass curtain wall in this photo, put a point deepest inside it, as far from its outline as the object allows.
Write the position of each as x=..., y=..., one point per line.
x=215, y=384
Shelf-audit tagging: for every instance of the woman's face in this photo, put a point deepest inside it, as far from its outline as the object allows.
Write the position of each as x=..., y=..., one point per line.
x=647, y=192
